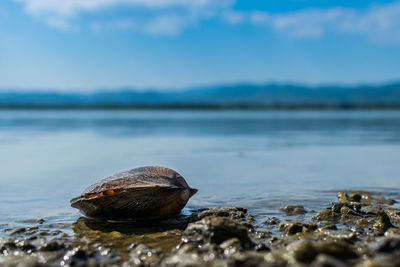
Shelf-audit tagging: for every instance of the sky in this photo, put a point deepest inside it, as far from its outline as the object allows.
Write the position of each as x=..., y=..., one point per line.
x=177, y=44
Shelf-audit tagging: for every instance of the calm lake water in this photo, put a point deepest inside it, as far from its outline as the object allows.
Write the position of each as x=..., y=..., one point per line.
x=262, y=160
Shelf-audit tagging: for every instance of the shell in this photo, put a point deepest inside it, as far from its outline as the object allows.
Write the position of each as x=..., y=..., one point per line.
x=145, y=192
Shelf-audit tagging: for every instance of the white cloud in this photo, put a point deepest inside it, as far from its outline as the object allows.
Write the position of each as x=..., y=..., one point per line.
x=309, y=23
x=234, y=17
x=168, y=24
x=72, y=7
x=259, y=17
x=57, y=22
x=379, y=22
x=162, y=16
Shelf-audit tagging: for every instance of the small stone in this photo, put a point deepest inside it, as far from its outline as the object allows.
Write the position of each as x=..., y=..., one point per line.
x=343, y=197
x=327, y=261
x=347, y=211
x=388, y=245
x=363, y=222
x=303, y=251
x=329, y=227
x=294, y=210
x=291, y=228
x=394, y=215
x=327, y=215
x=262, y=247
x=234, y=213
x=272, y=221
x=337, y=248
x=386, y=260
x=39, y=221
x=355, y=197
x=52, y=246
x=247, y=259
x=18, y=231
x=25, y=245
x=383, y=200
x=383, y=223
x=216, y=230
x=231, y=246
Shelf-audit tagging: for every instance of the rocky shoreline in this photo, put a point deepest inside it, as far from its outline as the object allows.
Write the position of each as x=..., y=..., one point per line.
x=359, y=229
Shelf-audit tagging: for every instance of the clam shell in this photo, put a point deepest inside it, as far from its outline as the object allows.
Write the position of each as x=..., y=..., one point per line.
x=144, y=192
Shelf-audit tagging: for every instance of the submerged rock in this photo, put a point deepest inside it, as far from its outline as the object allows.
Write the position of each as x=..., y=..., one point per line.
x=294, y=210
x=292, y=228
x=272, y=221
x=236, y=213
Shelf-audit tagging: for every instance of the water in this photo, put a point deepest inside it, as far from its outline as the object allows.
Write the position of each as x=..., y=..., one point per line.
x=262, y=160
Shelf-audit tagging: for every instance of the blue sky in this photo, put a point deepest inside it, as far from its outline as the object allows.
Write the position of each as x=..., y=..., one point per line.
x=174, y=44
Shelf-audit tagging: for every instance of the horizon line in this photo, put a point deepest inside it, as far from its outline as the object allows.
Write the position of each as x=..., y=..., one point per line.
x=132, y=88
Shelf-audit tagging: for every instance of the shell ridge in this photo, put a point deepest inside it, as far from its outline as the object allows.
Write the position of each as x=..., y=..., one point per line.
x=137, y=193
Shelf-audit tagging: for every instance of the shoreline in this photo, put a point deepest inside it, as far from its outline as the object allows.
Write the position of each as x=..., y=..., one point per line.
x=358, y=229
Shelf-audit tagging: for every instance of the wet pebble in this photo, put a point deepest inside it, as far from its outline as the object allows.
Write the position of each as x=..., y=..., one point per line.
x=294, y=210
x=216, y=230
x=272, y=221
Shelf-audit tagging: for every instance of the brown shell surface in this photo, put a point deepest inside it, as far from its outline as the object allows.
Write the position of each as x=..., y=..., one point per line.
x=144, y=192
x=139, y=178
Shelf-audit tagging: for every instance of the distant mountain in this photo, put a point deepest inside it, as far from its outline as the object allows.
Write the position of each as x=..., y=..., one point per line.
x=237, y=96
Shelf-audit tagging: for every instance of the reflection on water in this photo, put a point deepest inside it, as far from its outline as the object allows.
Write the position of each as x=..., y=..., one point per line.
x=159, y=234
x=262, y=160
x=360, y=126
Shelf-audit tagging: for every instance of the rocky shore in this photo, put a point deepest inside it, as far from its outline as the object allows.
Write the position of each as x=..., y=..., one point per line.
x=358, y=229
